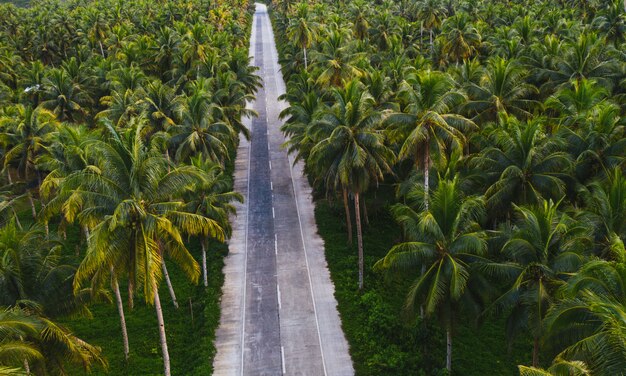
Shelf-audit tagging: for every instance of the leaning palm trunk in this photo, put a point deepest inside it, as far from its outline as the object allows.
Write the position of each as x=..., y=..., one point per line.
x=120, y=309
x=359, y=237
x=32, y=205
x=348, y=218
x=162, y=338
x=166, y=275
x=17, y=219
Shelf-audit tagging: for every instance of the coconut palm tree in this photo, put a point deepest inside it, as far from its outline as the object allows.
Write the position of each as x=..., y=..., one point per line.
x=200, y=133
x=350, y=154
x=38, y=345
x=522, y=165
x=461, y=38
x=502, y=89
x=428, y=124
x=63, y=97
x=25, y=135
x=302, y=32
x=444, y=239
x=212, y=198
x=545, y=245
x=605, y=202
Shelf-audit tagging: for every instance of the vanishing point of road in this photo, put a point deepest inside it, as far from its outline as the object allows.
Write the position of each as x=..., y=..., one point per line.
x=279, y=315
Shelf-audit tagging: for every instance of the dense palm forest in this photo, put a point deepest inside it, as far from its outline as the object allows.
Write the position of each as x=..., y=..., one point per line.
x=468, y=158
x=118, y=124
x=484, y=141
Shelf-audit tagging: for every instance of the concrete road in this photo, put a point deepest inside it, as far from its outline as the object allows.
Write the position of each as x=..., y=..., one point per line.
x=279, y=313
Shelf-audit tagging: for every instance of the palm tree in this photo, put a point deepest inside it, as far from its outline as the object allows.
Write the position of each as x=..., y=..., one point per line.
x=502, y=89
x=200, y=133
x=444, y=239
x=39, y=345
x=605, y=202
x=302, y=33
x=431, y=12
x=524, y=165
x=336, y=60
x=64, y=97
x=163, y=108
x=589, y=321
x=132, y=199
x=428, y=122
x=212, y=198
x=461, y=38
x=350, y=154
x=544, y=246
x=26, y=134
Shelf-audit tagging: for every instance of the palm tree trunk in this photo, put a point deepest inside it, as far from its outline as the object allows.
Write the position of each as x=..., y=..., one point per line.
x=306, y=65
x=169, y=283
x=359, y=237
x=365, y=216
x=120, y=309
x=17, y=219
x=101, y=49
x=32, y=205
x=449, y=348
x=26, y=367
x=9, y=176
x=205, y=279
x=426, y=172
x=131, y=294
x=348, y=217
x=536, y=352
x=162, y=338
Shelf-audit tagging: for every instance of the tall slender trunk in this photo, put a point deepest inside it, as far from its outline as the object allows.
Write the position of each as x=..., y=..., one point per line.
x=131, y=293
x=9, y=176
x=449, y=348
x=168, y=282
x=306, y=64
x=101, y=49
x=17, y=219
x=162, y=337
x=431, y=40
x=359, y=237
x=536, y=352
x=47, y=228
x=32, y=205
x=120, y=309
x=205, y=279
x=365, y=216
x=426, y=191
x=426, y=171
x=27, y=367
x=348, y=218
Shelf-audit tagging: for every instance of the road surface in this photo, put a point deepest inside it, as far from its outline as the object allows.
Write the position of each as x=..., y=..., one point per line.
x=278, y=311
